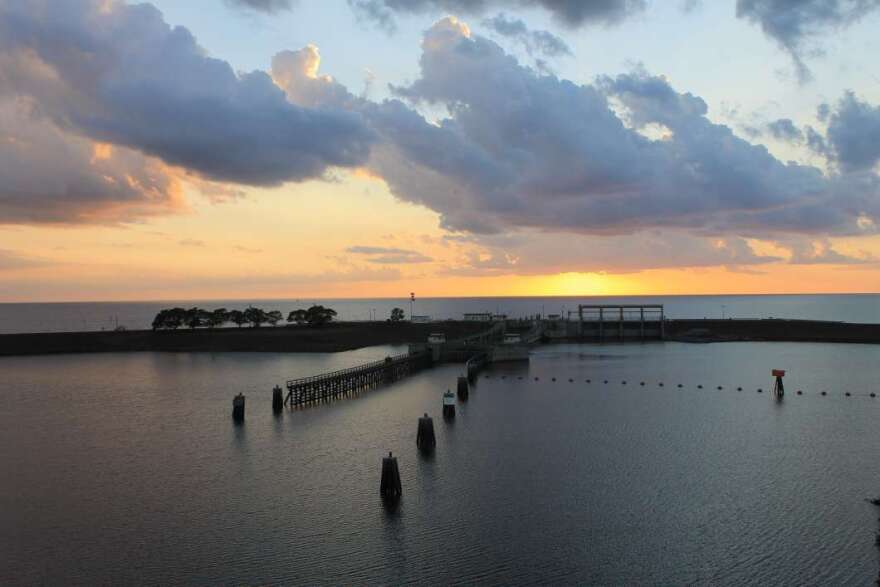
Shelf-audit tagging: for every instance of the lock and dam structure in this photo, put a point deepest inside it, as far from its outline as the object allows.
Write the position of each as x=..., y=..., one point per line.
x=503, y=340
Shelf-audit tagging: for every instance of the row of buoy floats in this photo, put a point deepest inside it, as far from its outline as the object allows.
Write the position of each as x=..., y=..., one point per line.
x=390, y=488
x=699, y=386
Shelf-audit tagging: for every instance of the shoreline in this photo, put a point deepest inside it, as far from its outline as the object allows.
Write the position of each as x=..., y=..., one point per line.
x=346, y=336
x=331, y=338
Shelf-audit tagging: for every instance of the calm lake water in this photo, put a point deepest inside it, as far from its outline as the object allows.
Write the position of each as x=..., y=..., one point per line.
x=139, y=315
x=128, y=469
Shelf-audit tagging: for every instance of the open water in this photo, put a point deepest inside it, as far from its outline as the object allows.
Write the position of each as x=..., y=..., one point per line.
x=118, y=469
x=70, y=317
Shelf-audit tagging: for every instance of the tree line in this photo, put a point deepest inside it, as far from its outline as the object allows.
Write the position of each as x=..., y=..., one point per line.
x=193, y=318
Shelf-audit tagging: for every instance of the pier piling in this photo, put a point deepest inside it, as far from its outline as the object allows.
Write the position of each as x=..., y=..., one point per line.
x=390, y=488
x=448, y=405
x=277, y=399
x=238, y=408
x=425, y=439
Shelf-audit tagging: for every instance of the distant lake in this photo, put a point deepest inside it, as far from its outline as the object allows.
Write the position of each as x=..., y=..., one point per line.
x=123, y=469
x=139, y=315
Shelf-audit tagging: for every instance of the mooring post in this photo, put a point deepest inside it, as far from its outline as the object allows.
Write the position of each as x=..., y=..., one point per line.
x=238, y=408
x=390, y=488
x=448, y=405
x=463, y=389
x=425, y=439
x=277, y=399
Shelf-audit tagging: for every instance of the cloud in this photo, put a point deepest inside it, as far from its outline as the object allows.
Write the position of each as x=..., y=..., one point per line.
x=571, y=13
x=854, y=133
x=50, y=176
x=520, y=151
x=534, y=42
x=540, y=253
x=117, y=73
x=389, y=255
x=268, y=6
x=795, y=24
x=821, y=252
x=784, y=129
x=189, y=242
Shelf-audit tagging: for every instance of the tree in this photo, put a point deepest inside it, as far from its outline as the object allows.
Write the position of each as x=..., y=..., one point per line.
x=396, y=315
x=174, y=318
x=238, y=318
x=218, y=317
x=298, y=316
x=159, y=322
x=195, y=317
x=274, y=317
x=319, y=315
x=256, y=316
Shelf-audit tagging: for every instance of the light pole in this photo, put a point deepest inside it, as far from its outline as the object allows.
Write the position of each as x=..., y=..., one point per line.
x=412, y=299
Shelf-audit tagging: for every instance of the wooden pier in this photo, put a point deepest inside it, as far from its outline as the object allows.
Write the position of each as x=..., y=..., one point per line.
x=327, y=386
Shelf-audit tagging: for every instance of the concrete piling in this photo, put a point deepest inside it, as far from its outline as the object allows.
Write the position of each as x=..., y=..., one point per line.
x=448, y=405
x=277, y=399
x=390, y=488
x=425, y=439
x=463, y=389
x=238, y=408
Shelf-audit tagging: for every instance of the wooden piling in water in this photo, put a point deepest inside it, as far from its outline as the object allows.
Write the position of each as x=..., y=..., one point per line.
x=277, y=399
x=238, y=408
x=425, y=439
x=390, y=488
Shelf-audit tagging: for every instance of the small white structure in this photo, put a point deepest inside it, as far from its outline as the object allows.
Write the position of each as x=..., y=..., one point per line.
x=478, y=317
x=512, y=338
x=437, y=338
x=420, y=319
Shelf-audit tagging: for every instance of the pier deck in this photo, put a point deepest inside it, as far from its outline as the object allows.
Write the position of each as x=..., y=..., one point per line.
x=326, y=386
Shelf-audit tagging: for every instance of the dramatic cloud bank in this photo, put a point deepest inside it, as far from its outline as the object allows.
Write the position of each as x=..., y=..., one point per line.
x=794, y=24
x=117, y=73
x=115, y=104
x=525, y=152
x=521, y=149
x=50, y=176
x=572, y=13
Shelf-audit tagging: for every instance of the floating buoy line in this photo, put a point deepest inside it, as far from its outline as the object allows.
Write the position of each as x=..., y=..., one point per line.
x=775, y=391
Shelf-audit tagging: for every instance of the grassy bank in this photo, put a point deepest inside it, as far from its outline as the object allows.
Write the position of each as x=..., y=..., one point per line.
x=340, y=336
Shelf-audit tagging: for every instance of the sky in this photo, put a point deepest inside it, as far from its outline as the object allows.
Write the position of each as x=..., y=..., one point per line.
x=219, y=149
